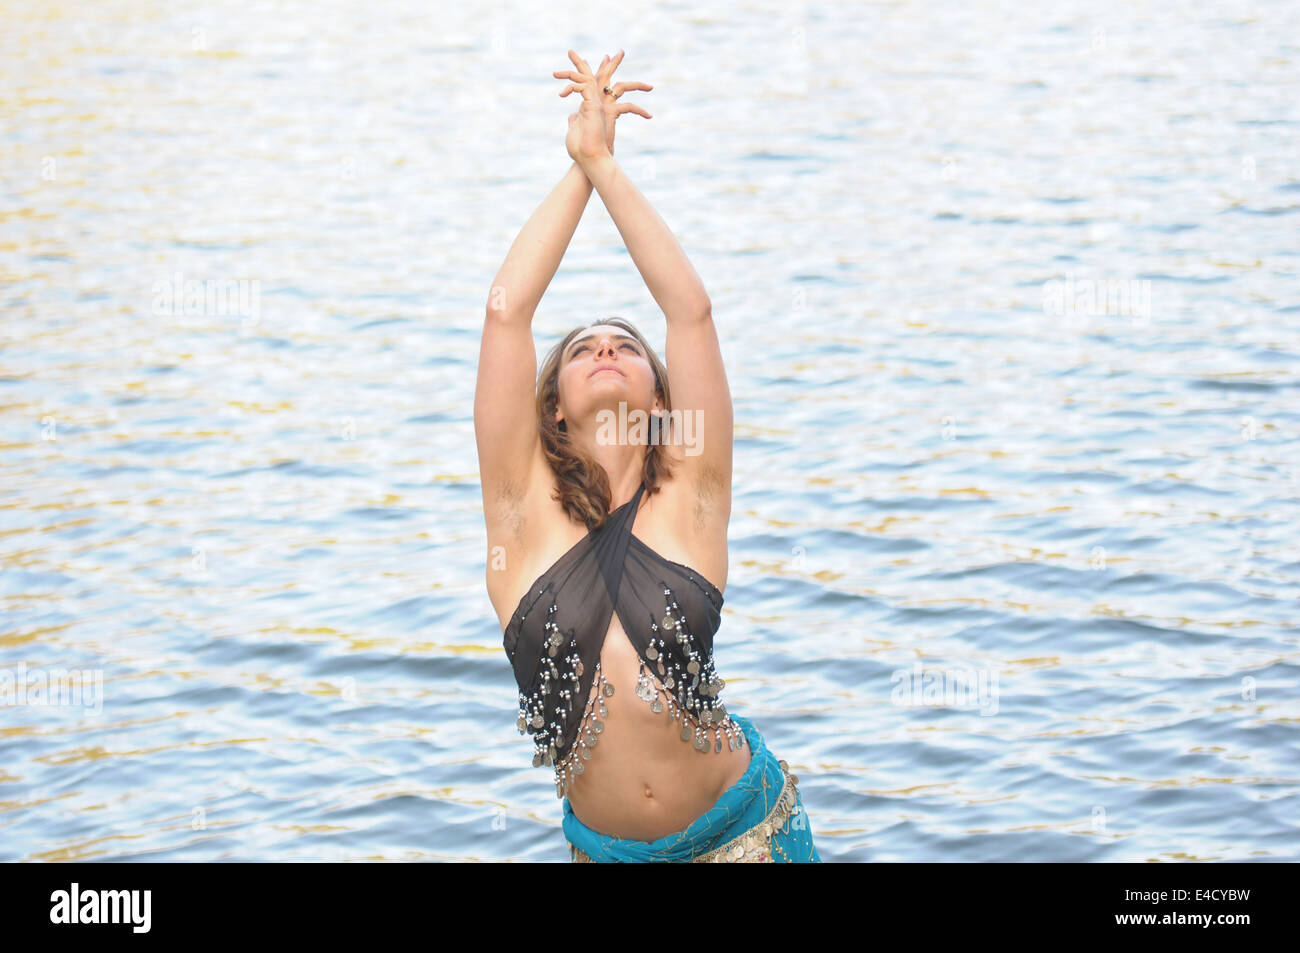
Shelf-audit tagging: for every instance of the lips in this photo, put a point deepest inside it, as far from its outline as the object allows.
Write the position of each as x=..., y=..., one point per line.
x=607, y=367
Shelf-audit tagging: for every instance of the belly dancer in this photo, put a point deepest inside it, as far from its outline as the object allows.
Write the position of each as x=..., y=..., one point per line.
x=606, y=494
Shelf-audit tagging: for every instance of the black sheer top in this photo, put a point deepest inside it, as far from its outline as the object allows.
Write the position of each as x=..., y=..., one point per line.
x=670, y=614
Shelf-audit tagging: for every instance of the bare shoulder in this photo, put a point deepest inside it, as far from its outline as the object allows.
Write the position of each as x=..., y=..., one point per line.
x=527, y=529
x=694, y=508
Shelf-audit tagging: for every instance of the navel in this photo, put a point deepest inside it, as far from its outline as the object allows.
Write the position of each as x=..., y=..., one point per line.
x=648, y=792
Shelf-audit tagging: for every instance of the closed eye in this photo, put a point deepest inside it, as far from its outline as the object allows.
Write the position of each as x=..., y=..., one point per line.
x=627, y=344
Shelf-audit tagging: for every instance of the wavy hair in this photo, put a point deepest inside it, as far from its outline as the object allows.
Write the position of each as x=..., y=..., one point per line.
x=582, y=486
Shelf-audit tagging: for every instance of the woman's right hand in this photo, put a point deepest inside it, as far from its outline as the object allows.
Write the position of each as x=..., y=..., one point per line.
x=581, y=143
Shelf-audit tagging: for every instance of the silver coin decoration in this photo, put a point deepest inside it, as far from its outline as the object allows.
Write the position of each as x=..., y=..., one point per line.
x=687, y=684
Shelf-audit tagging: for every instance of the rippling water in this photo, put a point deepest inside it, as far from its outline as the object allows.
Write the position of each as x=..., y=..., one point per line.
x=1010, y=306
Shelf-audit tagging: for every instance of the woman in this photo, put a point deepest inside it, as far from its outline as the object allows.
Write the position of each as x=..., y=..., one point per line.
x=607, y=485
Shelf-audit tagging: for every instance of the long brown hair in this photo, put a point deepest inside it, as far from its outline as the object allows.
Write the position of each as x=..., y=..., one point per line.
x=582, y=486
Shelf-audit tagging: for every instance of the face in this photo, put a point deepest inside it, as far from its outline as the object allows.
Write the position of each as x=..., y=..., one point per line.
x=601, y=366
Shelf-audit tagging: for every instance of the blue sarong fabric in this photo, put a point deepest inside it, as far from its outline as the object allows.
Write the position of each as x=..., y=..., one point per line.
x=759, y=819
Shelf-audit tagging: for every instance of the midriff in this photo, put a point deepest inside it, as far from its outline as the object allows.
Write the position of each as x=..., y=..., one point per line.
x=643, y=782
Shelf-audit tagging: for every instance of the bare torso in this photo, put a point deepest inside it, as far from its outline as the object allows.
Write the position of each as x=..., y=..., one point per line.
x=643, y=782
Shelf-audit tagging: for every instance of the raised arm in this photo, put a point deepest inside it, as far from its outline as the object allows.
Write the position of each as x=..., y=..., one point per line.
x=505, y=416
x=696, y=374
x=692, y=354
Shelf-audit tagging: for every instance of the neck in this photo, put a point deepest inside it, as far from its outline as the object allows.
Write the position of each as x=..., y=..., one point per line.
x=623, y=465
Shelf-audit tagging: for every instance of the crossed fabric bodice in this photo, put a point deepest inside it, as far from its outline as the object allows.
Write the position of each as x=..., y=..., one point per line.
x=554, y=640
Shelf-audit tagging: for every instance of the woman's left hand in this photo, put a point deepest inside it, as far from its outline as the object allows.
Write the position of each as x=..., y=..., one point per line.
x=591, y=128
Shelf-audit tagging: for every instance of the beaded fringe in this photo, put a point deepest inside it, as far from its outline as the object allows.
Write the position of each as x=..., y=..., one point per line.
x=702, y=692
x=648, y=691
x=752, y=847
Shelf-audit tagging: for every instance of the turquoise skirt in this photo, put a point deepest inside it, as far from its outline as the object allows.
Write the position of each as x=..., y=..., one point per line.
x=759, y=819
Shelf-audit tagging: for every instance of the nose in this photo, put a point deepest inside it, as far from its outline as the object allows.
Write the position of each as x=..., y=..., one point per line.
x=605, y=348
